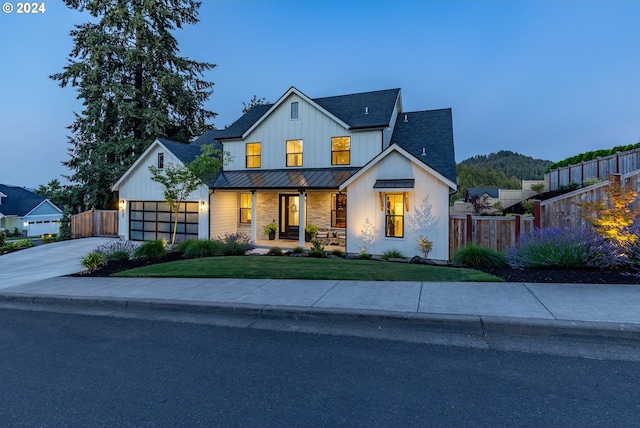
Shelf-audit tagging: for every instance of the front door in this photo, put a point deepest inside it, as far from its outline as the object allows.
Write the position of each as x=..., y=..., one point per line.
x=289, y=216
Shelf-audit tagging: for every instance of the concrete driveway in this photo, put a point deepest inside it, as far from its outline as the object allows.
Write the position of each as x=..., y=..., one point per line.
x=45, y=261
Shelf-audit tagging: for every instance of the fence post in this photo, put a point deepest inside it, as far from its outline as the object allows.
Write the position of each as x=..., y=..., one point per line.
x=517, y=228
x=469, y=234
x=536, y=215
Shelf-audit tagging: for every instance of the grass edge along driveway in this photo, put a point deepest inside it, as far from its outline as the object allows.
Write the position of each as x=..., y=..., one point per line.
x=265, y=267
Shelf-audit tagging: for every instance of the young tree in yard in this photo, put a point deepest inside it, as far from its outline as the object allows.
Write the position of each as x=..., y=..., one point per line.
x=179, y=181
x=134, y=85
x=613, y=215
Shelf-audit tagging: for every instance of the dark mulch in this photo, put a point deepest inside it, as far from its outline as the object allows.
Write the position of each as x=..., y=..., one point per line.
x=587, y=276
x=572, y=276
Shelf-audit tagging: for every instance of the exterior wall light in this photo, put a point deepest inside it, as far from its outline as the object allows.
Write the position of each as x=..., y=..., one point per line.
x=203, y=206
x=122, y=205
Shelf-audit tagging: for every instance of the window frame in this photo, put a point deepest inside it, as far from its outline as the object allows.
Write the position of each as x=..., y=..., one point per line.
x=245, y=209
x=253, y=157
x=335, y=210
x=390, y=222
x=295, y=110
x=293, y=154
x=160, y=162
x=334, y=152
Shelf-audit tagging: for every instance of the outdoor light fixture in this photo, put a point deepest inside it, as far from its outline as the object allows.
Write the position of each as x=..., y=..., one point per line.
x=123, y=204
x=203, y=206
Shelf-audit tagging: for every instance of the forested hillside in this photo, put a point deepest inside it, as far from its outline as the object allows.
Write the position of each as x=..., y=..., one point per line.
x=504, y=169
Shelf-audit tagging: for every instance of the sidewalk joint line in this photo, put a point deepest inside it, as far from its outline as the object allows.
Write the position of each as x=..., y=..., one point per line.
x=540, y=301
x=313, y=305
x=420, y=295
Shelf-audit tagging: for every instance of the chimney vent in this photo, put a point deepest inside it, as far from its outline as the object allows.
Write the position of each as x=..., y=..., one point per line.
x=424, y=152
x=406, y=118
x=366, y=110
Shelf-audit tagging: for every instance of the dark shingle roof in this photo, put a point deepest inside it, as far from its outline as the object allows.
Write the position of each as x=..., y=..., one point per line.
x=185, y=152
x=19, y=201
x=351, y=109
x=493, y=192
x=432, y=131
x=312, y=178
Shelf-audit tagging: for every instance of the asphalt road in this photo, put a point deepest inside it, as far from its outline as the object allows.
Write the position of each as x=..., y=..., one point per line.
x=74, y=370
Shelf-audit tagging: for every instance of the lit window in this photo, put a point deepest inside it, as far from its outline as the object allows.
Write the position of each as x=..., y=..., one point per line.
x=160, y=160
x=253, y=155
x=338, y=210
x=394, y=215
x=294, y=110
x=340, y=150
x=245, y=207
x=294, y=153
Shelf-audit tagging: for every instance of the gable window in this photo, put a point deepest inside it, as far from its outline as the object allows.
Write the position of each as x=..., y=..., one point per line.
x=294, y=110
x=294, y=152
x=160, y=160
x=253, y=155
x=340, y=150
x=338, y=210
x=394, y=215
x=245, y=207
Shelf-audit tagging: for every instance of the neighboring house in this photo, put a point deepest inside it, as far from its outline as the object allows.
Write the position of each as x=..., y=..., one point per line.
x=505, y=197
x=356, y=165
x=30, y=213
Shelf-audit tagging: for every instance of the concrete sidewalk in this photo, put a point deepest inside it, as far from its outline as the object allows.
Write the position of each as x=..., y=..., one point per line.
x=605, y=310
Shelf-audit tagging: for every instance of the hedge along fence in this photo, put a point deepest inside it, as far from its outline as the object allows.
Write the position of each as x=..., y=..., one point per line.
x=94, y=223
x=495, y=232
x=620, y=163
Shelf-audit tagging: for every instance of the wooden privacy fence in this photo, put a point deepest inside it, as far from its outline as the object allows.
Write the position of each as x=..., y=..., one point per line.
x=94, y=223
x=495, y=232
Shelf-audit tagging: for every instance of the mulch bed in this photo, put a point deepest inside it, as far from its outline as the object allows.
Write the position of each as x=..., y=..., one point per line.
x=587, y=276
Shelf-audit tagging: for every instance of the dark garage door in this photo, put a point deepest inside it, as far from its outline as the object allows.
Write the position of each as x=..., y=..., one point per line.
x=154, y=220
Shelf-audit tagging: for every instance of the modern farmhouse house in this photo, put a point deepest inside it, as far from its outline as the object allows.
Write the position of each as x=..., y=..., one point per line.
x=365, y=172
x=31, y=214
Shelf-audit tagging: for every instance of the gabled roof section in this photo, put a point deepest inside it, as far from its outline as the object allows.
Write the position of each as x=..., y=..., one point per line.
x=354, y=111
x=428, y=135
x=363, y=110
x=184, y=152
x=19, y=201
x=310, y=178
x=492, y=192
x=386, y=152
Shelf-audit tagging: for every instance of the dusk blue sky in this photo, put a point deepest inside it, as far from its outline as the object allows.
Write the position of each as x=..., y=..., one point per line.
x=548, y=79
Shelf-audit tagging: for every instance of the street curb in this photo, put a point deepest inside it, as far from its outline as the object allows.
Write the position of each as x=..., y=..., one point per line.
x=468, y=325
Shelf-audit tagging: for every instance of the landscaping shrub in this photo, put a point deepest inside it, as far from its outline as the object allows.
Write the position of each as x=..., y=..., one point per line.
x=478, y=256
x=627, y=253
x=338, y=253
x=392, y=254
x=182, y=246
x=560, y=248
x=236, y=244
x=16, y=245
x=117, y=250
x=274, y=251
x=204, y=248
x=317, y=250
x=92, y=261
x=151, y=250
x=298, y=250
x=48, y=239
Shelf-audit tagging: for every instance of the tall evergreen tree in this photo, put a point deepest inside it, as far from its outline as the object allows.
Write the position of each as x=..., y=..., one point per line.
x=134, y=85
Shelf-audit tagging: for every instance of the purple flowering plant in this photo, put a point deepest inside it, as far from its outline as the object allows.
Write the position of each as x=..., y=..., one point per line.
x=236, y=244
x=561, y=248
x=117, y=249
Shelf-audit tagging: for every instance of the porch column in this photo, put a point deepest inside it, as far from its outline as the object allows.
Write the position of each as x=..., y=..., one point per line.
x=253, y=215
x=301, y=219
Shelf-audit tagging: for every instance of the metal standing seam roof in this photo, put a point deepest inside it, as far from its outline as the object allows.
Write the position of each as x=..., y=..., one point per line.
x=395, y=184
x=310, y=178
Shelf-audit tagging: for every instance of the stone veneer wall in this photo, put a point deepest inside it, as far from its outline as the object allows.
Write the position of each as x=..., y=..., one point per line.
x=319, y=209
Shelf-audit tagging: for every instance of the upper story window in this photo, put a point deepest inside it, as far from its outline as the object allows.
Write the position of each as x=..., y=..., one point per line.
x=253, y=155
x=394, y=215
x=294, y=110
x=160, y=160
x=245, y=207
x=294, y=152
x=340, y=150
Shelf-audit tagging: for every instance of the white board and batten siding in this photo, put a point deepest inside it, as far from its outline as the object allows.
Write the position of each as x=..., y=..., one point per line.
x=364, y=204
x=314, y=127
x=225, y=212
x=138, y=186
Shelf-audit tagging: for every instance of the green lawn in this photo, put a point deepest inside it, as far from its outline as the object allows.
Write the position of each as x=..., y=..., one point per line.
x=305, y=268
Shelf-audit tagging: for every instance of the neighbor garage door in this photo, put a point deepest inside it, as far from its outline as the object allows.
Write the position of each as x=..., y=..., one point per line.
x=154, y=220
